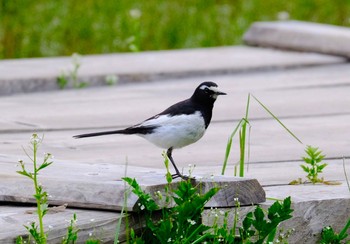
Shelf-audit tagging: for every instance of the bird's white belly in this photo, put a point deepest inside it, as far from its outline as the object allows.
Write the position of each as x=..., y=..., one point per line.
x=176, y=131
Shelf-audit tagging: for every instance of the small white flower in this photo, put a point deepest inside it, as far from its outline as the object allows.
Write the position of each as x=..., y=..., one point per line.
x=111, y=79
x=90, y=234
x=142, y=207
x=235, y=199
x=35, y=138
x=192, y=222
x=283, y=15
x=50, y=227
x=169, y=240
x=92, y=220
x=76, y=57
x=135, y=13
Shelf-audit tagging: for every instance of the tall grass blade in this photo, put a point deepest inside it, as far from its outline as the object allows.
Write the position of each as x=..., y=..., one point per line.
x=267, y=110
x=242, y=142
x=122, y=215
x=228, y=146
x=242, y=139
x=343, y=233
x=242, y=150
x=248, y=148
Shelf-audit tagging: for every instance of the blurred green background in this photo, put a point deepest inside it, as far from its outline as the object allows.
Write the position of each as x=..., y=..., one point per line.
x=44, y=28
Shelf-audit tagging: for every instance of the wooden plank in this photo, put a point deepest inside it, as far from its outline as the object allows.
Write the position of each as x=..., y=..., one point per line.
x=323, y=89
x=267, y=173
x=106, y=190
x=300, y=36
x=268, y=142
x=40, y=74
x=96, y=224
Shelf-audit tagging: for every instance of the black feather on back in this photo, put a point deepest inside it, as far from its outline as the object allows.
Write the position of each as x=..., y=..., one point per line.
x=188, y=107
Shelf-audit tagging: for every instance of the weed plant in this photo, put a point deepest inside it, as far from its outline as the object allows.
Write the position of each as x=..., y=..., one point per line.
x=183, y=222
x=313, y=164
x=72, y=231
x=64, y=80
x=329, y=236
x=37, y=230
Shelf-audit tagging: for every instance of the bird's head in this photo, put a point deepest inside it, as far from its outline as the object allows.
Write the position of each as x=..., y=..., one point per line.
x=207, y=92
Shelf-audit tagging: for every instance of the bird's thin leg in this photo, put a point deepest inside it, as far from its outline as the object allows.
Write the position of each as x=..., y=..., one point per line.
x=178, y=174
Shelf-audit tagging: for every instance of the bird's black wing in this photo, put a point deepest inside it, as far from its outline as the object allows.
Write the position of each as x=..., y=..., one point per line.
x=187, y=107
x=183, y=107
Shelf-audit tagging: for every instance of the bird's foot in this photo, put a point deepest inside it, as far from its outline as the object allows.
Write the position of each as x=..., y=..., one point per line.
x=184, y=177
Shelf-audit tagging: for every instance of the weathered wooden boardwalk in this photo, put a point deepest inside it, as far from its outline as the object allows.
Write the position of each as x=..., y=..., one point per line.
x=309, y=92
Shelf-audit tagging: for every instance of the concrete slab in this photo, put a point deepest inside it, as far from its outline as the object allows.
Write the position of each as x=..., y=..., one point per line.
x=315, y=207
x=300, y=36
x=40, y=74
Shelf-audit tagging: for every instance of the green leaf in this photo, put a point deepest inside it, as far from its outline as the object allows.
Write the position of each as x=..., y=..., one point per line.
x=25, y=173
x=305, y=168
x=343, y=234
x=271, y=236
x=307, y=160
x=321, y=167
x=44, y=165
x=248, y=221
x=62, y=81
x=145, y=200
x=259, y=214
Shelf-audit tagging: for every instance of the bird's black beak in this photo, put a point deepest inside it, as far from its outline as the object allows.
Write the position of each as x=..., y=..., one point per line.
x=220, y=93
x=217, y=93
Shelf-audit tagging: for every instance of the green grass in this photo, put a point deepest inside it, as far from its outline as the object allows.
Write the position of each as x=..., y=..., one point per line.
x=244, y=141
x=54, y=28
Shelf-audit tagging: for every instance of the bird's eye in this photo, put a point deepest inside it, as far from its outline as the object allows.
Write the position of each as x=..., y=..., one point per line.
x=206, y=90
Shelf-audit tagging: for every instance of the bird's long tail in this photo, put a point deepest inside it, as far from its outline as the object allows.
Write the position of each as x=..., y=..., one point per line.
x=101, y=133
x=128, y=131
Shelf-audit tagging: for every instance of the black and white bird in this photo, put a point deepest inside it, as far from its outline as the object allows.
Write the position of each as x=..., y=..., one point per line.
x=179, y=125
